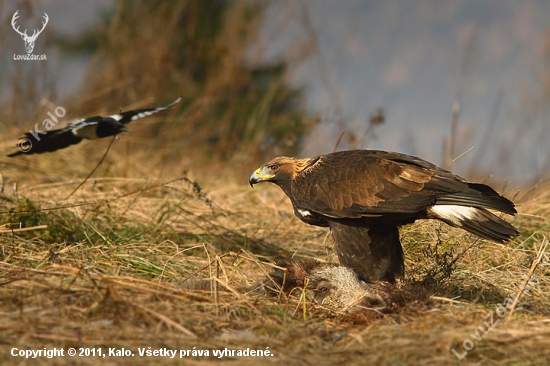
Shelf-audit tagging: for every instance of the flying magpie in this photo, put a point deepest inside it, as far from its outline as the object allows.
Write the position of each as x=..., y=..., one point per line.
x=87, y=128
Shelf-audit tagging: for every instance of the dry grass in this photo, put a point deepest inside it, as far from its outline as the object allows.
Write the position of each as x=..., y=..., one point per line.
x=112, y=267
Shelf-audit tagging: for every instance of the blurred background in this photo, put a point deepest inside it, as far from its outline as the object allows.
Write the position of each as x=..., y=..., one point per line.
x=264, y=78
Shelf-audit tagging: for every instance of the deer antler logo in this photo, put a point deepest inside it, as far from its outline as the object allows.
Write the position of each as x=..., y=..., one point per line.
x=29, y=40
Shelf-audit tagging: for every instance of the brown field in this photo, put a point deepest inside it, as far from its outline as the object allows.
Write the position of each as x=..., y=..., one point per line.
x=108, y=267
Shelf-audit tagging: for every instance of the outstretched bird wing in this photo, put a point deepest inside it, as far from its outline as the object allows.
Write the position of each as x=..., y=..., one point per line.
x=51, y=141
x=127, y=117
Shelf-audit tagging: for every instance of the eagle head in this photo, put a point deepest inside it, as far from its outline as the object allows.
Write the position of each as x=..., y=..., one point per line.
x=280, y=170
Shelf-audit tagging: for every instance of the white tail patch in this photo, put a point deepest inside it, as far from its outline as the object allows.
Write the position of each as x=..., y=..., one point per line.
x=304, y=213
x=454, y=214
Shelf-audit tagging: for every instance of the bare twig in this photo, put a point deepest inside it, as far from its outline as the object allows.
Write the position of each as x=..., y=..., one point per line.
x=93, y=171
x=338, y=140
x=39, y=227
x=459, y=156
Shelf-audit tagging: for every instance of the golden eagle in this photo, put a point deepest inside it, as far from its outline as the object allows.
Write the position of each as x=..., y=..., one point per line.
x=363, y=195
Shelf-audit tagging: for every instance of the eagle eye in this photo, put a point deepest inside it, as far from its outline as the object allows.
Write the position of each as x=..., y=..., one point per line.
x=274, y=168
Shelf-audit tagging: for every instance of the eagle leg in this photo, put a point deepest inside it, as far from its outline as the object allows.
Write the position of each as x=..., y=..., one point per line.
x=375, y=253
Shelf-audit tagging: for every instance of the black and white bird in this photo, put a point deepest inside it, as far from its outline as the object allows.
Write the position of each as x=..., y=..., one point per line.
x=87, y=128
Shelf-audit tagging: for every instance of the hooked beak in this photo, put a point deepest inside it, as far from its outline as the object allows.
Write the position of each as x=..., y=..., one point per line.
x=255, y=178
x=259, y=175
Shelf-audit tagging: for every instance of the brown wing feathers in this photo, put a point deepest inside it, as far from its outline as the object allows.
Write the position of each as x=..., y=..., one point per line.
x=364, y=184
x=361, y=184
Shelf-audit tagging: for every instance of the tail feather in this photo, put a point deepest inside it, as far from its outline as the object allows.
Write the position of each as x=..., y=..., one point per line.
x=475, y=220
x=480, y=196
